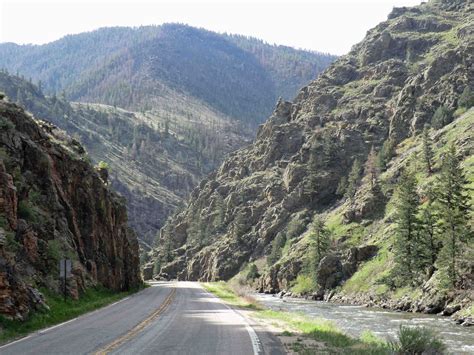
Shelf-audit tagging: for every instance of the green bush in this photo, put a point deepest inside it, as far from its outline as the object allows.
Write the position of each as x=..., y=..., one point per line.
x=3, y=222
x=6, y=124
x=102, y=165
x=417, y=341
x=53, y=251
x=304, y=284
x=277, y=245
x=466, y=99
x=12, y=244
x=25, y=211
x=253, y=273
x=441, y=117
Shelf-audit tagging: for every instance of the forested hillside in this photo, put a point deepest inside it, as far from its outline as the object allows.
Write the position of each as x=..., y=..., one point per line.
x=154, y=159
x=140, y=68
x=359, y=190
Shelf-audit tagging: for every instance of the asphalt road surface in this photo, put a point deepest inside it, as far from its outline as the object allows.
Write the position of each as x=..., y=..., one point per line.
x=168, y=318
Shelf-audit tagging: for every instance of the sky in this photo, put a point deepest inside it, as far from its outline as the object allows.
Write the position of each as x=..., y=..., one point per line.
x=331, y=26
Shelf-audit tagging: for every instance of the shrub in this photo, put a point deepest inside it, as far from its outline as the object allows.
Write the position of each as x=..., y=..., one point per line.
x=103, y=165
x=11, y=243
x=277, y=245
x=6, y=124
x=253, y=273
x=54, y=251
x=441, y=117
x=417, y=340
x=3, y=222
x=466, y=99
x=304, y=284
x=25, y=211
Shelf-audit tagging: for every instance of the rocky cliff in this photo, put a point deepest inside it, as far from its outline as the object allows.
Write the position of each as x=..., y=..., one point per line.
x=384, y=90
x=53, y=205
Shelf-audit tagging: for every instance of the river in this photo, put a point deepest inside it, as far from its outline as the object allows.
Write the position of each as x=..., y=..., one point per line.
x=353, y=320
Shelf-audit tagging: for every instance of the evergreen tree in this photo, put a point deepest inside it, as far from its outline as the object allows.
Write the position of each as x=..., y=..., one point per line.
x=441, y=117
x=407, y=226
x=240, y=226
x=371, y=170
x=385, y=154
x=311, y=184
x=429, y=240
x=277, y=245
x=219, y=212
x=320, y=241
x=253, y=273
x=453, y=209
x=342, y=186
x=427, y=148
x=353, y=179
x=466, y=99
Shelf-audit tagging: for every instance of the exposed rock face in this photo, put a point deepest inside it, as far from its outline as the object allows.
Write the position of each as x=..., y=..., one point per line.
x=388, y=86
x=54, y=205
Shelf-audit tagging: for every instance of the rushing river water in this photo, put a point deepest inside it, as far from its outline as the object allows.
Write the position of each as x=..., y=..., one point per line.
x=353, y=320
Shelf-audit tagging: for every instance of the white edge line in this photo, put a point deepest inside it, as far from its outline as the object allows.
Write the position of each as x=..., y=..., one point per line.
x=256, y=344
x=45, y=330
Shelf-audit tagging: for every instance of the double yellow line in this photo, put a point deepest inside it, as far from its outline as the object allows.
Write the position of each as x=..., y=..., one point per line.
x=139, y=327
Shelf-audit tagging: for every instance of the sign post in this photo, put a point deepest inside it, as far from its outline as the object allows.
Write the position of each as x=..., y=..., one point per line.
x=65, y=267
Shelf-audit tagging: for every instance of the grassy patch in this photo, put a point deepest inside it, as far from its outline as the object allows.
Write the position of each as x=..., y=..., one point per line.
x=223, y=291
x=368, y=274
x=304, y=284
x=60, y=311
x=299, y=324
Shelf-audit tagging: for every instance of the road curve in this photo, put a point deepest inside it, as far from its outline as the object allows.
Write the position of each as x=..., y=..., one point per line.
x=168, y=318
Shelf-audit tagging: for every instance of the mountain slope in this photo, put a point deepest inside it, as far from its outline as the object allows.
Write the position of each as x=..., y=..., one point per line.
x=183, y=98
x=53, y=205
x=155, y=158
x=384, y=90
x=132, y=68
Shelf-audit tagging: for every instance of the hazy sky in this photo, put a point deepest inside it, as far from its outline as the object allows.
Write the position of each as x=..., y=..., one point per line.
x=324, y=25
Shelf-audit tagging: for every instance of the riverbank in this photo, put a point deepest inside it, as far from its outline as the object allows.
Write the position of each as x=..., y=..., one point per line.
x=299, y=333
x=458, y=307
x=354, y=320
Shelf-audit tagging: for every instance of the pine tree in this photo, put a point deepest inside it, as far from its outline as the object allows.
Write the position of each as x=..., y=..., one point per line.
x=371, y=170
x=277, y=245
x=407, y=227
x=430, y=244
x=320, y=241
x=385, y=154
x=311, y=184
x=342, y=186
x=441, y=117
x=240, y=226
x=453, y=209
x=427, y=148
x=353, y=179
x=466, y=99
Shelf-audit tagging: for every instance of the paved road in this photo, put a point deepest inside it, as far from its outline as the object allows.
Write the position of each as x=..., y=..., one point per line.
x=168, y=318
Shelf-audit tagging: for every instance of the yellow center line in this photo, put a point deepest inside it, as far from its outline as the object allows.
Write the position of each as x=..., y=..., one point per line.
x=139, y=327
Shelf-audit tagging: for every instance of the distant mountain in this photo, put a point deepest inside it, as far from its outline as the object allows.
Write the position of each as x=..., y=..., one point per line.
x=155, y=158
x=135, y=68
x=165, y=103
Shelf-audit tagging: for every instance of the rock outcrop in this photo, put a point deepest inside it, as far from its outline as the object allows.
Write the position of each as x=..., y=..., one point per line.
x=54, y=205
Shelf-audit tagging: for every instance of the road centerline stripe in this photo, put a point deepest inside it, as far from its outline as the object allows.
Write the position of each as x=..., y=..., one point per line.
x=139, y=327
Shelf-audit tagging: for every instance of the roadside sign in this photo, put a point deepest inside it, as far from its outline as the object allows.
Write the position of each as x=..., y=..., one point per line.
x=65, y=268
